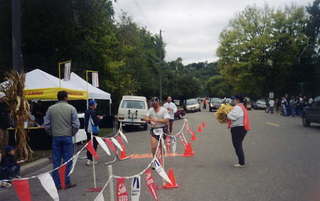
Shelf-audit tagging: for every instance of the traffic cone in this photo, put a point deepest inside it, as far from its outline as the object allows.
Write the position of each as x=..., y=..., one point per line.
x=200, y=130
x=203, y=124
x=194, y=137
x=123, y=155
x=172, y=179
x=188, y=150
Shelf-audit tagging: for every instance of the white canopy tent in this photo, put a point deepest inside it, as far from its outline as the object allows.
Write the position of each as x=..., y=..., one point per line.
x=93, y=92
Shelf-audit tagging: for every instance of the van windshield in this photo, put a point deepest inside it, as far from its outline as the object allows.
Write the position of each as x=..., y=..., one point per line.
x=192, y=101
x=133, y=104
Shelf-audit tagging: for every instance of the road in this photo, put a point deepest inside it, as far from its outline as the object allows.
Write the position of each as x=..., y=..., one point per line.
x=283, y=165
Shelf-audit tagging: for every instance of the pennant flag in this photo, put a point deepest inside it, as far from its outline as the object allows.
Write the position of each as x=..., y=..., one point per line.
x=62, y=176
x=99, y=197
x=123, y=136
x=160, y=170
x=103, y=145
x=151, y=185
x=47, y=183
x=74, y=162
x=115, y=142
x=122, y=194
x=67, y=71
x=182, y=139
x=22, y=188
x=123, y=153
x=110, y=145
x=91, y=149
x=95, y=79
x=135, y=188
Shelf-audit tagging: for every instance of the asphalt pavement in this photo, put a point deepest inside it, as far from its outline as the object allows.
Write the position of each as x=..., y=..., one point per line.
x=282, y=164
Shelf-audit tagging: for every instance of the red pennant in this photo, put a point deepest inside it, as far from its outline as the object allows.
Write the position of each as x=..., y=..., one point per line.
x=91, y=149
x=110, y=145
x=123, y=153
x=62, y=176
x=151, y=185
x=122, y=193
x=22, y=188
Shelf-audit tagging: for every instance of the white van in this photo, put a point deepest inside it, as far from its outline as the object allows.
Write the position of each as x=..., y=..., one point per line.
x=132, y=110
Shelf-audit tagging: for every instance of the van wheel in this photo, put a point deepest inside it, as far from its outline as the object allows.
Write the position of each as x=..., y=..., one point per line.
x=305, y=122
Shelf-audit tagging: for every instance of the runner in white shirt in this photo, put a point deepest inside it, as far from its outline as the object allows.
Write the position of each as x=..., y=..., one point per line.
x=172, y=109
x=158, y=117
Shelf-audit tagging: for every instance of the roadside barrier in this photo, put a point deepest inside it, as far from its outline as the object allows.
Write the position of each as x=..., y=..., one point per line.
x=115, y=145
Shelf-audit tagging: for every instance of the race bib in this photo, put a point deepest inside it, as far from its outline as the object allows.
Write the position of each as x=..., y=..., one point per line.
x=158, y=131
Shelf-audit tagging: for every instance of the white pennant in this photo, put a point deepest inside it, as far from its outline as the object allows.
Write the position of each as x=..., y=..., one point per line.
x=48, y=184
x=99, y=197
x=160, y=170
x=123, y=136
x=135, y=188
x=74, y=162
x=103, y=145
x=115, y=142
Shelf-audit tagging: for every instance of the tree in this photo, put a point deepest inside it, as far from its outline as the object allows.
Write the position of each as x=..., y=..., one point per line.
x=260, y=47
x=218, y=87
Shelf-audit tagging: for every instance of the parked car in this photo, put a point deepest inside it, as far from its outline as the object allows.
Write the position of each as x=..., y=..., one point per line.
x=311, y=114
x=248, y=103
x=132, y=110
x=260, y=104
x=192, y=105
x=214, y=104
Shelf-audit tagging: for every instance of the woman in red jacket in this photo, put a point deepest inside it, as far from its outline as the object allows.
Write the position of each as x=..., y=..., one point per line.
x=239, y=125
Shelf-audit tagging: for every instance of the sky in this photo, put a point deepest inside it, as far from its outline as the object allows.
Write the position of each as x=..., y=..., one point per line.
x=191, y=28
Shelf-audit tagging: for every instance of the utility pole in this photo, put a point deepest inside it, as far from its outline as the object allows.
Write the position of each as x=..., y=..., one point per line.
x=17, y=59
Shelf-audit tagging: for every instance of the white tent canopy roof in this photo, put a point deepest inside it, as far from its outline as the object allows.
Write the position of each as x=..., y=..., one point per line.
x=93, y=92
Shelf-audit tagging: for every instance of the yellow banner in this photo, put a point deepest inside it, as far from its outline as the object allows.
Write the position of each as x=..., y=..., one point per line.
x=51, y=94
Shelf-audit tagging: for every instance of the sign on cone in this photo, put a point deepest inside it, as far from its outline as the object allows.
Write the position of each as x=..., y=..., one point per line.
x=135, y=188
x=122, y=194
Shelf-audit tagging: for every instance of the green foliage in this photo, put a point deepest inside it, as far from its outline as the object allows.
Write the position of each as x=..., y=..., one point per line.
x=261, y=49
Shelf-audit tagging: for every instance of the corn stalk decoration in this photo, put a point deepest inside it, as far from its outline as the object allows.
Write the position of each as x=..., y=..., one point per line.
x=19, y=110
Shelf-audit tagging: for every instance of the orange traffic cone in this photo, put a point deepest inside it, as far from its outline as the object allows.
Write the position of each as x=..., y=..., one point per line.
x=188, y=150
x=200, y=128
x=172, y=179
x=194, y=137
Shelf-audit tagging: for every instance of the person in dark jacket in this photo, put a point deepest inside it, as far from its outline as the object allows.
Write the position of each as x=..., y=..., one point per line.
x=4, y=122
x=10, y=167
x=91, y=119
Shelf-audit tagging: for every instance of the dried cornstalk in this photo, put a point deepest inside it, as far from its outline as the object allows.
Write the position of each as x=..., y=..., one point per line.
x=19, y=109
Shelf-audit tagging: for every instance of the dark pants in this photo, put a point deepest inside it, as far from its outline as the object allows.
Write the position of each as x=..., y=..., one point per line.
x=238, y=134
x=62, y=148
x=9, y=172
x=95, y=145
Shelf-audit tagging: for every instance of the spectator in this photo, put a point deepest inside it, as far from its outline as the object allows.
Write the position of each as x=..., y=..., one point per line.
x=10, y=167
x=293, y=106
x=284, y=106
x=62, y=122
x=172, y=109
x=4, y=122
x=271, y=105
x=91, y=123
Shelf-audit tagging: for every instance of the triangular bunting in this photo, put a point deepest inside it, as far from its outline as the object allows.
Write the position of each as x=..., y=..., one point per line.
x=91, y=149
x=110, y=145
x=122, y=194
x=62, y=176
x=74, y=162
x=99, y=197
x=22, y=189
x=115, y=142
x=123, y=136
x=103, y=145
x=135, y=188
x=47, y=183
x=161, y=171
x=151, y=185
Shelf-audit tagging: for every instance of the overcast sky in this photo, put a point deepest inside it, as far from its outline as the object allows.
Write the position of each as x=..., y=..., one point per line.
x=191, y=28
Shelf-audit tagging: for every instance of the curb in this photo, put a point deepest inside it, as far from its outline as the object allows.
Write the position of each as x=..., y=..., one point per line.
x=40, y=163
